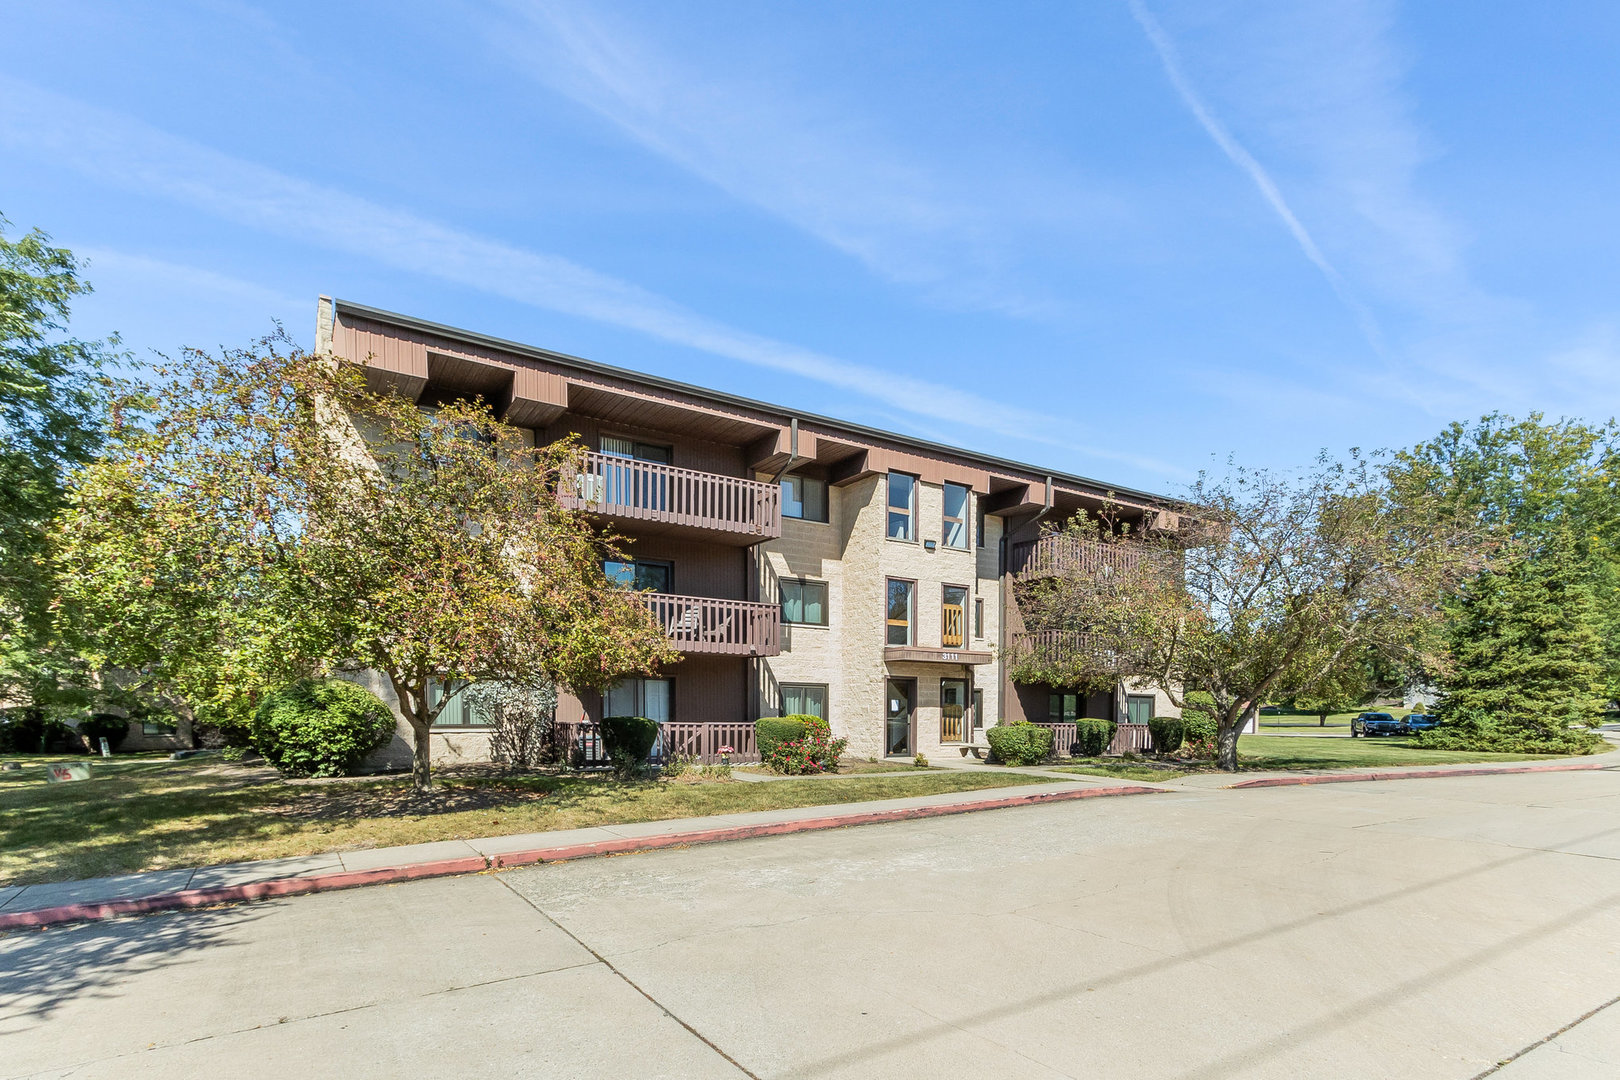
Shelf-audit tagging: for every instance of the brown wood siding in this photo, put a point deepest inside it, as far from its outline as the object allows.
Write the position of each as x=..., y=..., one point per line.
x=688, y=453
x=700, y=569
x=708, y=690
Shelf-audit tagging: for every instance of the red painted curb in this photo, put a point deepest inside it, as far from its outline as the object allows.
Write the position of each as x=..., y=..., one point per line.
x=1415, y=774
x=226, y=894
x=782, y=828
x=260, y=890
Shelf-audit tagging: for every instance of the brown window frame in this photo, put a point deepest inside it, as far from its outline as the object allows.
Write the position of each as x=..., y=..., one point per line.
x=962, y=636
x=911, y=624
x=911, y=512
x=965, y=521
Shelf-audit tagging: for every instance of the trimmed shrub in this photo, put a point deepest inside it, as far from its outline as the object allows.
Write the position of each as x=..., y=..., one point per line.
x=1476, y=730
x=772, y=730
x=1167, y=732
x=1092, y=736
x=628, y=741
x=320, y=727
x=815, y=751
x=1199, y=727
x=1019, y=743
x=104, y=726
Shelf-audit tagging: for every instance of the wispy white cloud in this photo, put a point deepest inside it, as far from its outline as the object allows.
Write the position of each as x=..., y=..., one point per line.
x=199, y=283
x=955, y=223
x=128, y=153
x=1240, y=156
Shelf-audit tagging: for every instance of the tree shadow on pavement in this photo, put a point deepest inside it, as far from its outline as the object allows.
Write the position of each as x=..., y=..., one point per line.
x=41, y=970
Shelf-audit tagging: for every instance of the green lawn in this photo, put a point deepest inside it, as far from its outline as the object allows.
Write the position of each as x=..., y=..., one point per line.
x=152, y=813
x=853, y=767
x=1288, y=752
x=1122, y=770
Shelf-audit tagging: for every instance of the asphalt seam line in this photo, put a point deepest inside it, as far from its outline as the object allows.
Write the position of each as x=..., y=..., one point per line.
x=631, y=983
x=1515, y=1056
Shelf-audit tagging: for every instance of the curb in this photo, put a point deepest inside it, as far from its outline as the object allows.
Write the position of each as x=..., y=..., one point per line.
x=1415, y=774
x=265, y=890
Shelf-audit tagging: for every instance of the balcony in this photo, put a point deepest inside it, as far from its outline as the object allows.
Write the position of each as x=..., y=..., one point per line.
x=1057, y=648
x=704, y=624
x=1057, y=554
x=663, y=498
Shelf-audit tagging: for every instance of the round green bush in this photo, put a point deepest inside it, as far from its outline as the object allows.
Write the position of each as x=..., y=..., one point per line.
x=1167, y=733
x=321, y=727
x=1019, y=743
x=104, y=726
x=628, y=741
x=771, y=731
x=1092, y=736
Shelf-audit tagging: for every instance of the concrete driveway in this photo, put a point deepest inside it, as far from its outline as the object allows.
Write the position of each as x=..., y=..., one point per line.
x=1423, y=928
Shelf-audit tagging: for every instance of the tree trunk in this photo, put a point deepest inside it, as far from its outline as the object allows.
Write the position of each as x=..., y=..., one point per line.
x=1226, y=749
x=1321, y=719
x=421, y=757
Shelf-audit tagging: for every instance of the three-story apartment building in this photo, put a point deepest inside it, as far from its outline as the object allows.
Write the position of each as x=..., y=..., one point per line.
x=801, y=564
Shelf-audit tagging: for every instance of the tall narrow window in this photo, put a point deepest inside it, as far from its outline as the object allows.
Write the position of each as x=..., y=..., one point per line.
x=978, y=710
x=978, y=617
x=955, y=532
x=980, y=539
x=804, y=602
x=902, y=506
x=804, y=497
x=953, y=617
x=902, y=611
x=804, y=700
x=953, y=702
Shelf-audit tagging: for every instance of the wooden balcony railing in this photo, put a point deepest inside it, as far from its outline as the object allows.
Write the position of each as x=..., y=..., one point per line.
x=1128, y=738
x=704, y=624
x=655, y=492
x=1059, y=553
x=581, y=743
x=952, y=623
x=1056, y=646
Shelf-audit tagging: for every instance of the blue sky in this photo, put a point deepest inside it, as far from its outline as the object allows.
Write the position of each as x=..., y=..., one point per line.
x=1121, y=238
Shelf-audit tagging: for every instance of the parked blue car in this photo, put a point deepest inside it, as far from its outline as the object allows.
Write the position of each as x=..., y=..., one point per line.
x=1421, y=722
x=1377, y=723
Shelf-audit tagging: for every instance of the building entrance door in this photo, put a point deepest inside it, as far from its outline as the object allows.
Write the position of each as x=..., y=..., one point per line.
x=900, y=699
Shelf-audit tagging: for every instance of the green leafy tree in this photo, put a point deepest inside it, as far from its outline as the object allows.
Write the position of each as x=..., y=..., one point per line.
x=53, y=399
x=1283, y=581
x=274, y=513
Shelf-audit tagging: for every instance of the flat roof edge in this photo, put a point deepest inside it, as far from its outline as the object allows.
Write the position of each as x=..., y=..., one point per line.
x=472, y=337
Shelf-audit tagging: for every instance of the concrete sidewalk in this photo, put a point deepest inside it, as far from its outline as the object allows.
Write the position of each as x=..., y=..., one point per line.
x=131, y=894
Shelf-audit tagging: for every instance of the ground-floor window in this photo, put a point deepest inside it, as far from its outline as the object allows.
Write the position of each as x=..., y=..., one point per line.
x=978, y=710
x=1065, y=707
x=458, y=711
x=652, y=698
x=953, y=702
x=804, y=699
x=1138, y=708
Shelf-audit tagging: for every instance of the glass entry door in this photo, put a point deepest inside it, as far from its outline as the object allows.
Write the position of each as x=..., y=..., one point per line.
x=900, y=697
x=953, y=700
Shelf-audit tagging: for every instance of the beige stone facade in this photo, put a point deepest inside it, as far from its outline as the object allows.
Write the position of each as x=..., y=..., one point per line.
x=689, y=477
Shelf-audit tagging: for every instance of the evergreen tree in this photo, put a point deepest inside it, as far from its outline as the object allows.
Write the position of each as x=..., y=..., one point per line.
x=1526, y=645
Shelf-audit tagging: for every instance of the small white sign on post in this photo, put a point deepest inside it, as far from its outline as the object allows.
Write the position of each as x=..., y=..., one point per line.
x=106, y=751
